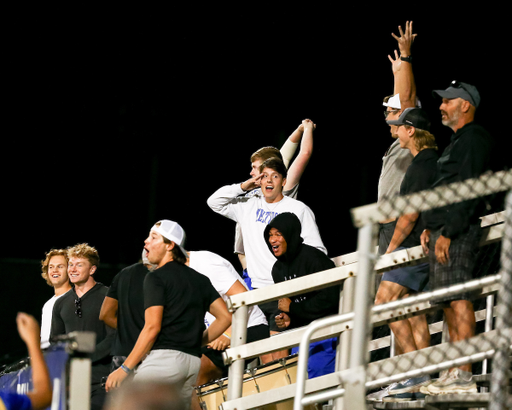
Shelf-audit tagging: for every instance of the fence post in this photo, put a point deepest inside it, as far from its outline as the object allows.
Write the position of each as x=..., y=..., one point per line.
x=238, y=338
x=501, y=359
x=363, y=300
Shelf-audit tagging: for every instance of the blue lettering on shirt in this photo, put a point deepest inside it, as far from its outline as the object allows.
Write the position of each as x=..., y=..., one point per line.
x=265, y=217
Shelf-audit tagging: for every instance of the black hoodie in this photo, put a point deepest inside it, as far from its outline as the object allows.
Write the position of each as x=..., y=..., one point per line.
x=300, y=260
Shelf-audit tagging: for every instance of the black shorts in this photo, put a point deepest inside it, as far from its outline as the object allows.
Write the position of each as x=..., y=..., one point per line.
x=462, y=254
x=254, y=333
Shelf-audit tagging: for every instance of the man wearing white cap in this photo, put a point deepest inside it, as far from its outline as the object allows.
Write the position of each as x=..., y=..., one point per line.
x=396, y=160
x=176, y=299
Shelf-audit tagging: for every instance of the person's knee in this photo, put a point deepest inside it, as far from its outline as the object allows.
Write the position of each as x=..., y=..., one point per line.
x=389, y=292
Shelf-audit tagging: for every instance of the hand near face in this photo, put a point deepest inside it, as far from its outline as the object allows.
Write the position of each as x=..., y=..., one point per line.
x=252, y=183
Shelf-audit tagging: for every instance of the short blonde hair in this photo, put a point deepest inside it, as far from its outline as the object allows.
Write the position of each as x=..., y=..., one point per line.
x=46, y=261
x=83, y=250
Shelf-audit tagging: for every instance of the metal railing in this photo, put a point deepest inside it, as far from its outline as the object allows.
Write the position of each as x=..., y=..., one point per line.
x=350, y=267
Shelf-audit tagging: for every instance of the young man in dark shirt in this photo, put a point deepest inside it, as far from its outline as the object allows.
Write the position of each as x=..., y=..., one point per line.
x=453, y=232
x=123, y=308
x=176, y=299
x=413, y=132
x=296, y=259
x=79, y=310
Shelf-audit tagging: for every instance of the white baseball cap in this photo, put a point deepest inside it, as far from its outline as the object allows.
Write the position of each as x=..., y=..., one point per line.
x=172, y=231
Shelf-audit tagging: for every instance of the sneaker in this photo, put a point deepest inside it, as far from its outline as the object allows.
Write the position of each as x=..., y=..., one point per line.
x=401, y=397
x=457, y=382
x=393, y=398
x=380, y=394
x=443, y=375
x=412, y=385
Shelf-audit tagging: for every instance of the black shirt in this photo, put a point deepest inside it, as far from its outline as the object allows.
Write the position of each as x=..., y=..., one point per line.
x=420, y=175
x=186, y=296
x=467, y=156
x=69, y=316
x=127, y=289
x=301, y=260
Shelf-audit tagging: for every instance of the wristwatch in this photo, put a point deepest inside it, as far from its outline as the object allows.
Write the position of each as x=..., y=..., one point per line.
x=407, y=59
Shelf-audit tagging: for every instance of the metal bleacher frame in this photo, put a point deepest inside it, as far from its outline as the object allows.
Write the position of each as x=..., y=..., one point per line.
x=346, y=271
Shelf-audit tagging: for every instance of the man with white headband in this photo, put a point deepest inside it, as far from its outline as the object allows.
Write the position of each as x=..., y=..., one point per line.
x=176, y=299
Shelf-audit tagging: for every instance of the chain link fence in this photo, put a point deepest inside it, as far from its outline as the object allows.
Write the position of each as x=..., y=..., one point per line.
x=447, y=307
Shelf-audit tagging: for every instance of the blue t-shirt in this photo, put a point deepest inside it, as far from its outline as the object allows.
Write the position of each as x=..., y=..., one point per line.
x=14, y=401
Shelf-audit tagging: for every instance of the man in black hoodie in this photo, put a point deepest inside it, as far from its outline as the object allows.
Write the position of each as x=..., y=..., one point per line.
x=296, y=259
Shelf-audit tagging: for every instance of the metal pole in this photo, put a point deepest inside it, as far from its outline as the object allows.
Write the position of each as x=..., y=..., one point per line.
x=501, y=360
x=238, y=338
x=364, y=295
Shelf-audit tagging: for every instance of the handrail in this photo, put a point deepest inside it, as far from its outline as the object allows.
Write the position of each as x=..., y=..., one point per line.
x=400, y=304
x=291, y=338
x=336, y=275
x=239, y=304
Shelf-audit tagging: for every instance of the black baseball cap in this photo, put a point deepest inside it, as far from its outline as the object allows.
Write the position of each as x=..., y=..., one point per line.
x=462, y=90
x=415, y=117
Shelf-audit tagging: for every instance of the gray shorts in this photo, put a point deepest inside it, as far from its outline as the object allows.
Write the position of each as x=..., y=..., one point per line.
x=171, y=366
x=462, y=253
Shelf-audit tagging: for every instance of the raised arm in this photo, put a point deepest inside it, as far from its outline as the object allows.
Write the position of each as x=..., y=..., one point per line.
x=223, y=200
x=405, y=85
x=290, y=145
x=41, y=394
x=299, y=164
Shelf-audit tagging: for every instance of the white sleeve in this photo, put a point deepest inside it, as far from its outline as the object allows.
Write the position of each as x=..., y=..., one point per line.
x=224, y=200
x=288, y=150
x=310, y=232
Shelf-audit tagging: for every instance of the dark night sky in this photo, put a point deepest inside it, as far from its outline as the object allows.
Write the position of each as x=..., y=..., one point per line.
x=114, y=119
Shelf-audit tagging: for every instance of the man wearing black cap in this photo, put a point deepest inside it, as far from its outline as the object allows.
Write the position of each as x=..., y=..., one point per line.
x=453, y=232
x=412, y=129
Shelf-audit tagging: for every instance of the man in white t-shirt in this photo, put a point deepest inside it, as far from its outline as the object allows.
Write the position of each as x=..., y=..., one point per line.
x=226, y=280
x=55, y=271
x=253, y=215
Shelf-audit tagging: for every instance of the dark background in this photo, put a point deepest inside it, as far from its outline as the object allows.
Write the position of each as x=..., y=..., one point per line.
x=116, y=118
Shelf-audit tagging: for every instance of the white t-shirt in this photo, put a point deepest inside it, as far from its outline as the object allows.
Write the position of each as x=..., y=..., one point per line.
x=223, y=275
x=46, y=320
x=253, y=215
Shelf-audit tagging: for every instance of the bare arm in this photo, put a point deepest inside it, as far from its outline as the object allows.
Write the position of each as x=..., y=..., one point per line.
x=153, y=323
x=222, y=321
x=403, y=228
x=402, y=70
x=41, y=394
x=108, y=312
x=223, y=342
x=299, y=164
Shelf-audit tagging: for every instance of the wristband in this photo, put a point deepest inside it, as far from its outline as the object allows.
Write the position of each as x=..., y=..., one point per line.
x=407, y=59
x=228, y=336
x=126, y=369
